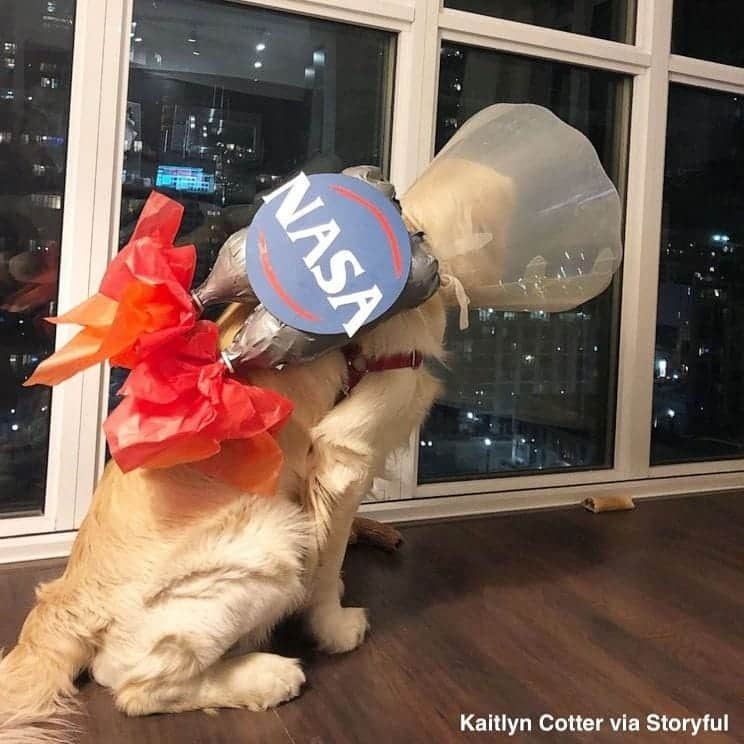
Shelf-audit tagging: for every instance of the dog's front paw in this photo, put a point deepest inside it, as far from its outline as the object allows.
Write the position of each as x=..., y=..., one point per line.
x=338, y=629
x=270, y=680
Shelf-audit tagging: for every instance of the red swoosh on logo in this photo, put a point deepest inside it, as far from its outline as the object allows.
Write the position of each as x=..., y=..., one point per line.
x=380, y=217
x=276, y=285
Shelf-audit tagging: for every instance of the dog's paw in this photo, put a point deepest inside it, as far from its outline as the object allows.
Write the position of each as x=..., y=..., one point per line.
x=271, y=680
x=338, y=629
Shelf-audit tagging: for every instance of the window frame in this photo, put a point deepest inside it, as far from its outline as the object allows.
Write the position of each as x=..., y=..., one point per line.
x=101, y=59
x=73, y=437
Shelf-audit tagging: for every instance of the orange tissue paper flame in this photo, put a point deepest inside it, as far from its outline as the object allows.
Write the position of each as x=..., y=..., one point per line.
x=143, y=301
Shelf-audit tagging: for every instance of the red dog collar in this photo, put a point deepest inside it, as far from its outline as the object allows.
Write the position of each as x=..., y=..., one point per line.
x=359, y=364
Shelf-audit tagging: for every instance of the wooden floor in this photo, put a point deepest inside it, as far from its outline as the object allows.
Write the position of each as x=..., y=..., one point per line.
x=557, y=612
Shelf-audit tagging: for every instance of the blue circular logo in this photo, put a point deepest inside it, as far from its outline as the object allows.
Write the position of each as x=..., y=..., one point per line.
x=327, y=253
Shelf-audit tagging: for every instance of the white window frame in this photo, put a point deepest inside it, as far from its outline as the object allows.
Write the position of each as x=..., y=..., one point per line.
x=93, y=194
x=74, y=425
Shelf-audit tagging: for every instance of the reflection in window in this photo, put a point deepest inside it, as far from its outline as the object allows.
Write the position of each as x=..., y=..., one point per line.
x=528, y=391
x=604, y=19
x=698, y=411
x=709, y=29
x=225, y=101
x=36, y=38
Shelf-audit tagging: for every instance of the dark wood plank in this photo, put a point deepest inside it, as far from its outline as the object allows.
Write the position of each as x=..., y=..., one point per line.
x=557, y=612
x=104, y=724
x=17, y=584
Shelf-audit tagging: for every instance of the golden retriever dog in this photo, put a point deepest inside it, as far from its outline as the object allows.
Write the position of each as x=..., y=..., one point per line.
x=171, y=568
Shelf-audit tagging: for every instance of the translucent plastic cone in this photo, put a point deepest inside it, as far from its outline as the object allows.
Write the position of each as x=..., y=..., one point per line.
x=518, y=208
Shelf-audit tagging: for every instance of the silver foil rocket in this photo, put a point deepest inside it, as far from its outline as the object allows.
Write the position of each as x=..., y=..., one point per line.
x=228, y=280
x=264, y=341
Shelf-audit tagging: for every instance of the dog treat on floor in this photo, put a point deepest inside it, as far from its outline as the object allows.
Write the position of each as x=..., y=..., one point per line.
x=598, y=504
x=379, y=535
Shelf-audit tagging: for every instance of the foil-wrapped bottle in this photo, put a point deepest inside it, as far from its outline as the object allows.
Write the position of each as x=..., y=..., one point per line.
x=228, y=280
x=264, y=341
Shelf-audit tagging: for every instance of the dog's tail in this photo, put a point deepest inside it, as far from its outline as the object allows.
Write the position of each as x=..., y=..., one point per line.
x=37, y=677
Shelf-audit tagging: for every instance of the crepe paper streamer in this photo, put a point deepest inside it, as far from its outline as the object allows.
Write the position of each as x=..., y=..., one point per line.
x=143, y=301
x=180, y=406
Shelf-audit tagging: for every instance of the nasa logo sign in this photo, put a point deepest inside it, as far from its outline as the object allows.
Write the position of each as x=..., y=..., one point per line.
x=327, y=253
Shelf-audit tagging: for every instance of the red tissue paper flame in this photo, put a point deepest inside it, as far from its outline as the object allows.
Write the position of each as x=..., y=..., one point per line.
x=179, y=404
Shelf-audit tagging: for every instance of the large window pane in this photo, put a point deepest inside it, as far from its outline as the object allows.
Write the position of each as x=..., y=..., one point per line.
x=709, y=29
x=528, y=392
x=225, y=100
x=36, y=39
x=699, y=366
x=605, y=19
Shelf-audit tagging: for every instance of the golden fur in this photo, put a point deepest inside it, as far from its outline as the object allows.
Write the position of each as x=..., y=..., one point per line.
x=171, y=568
